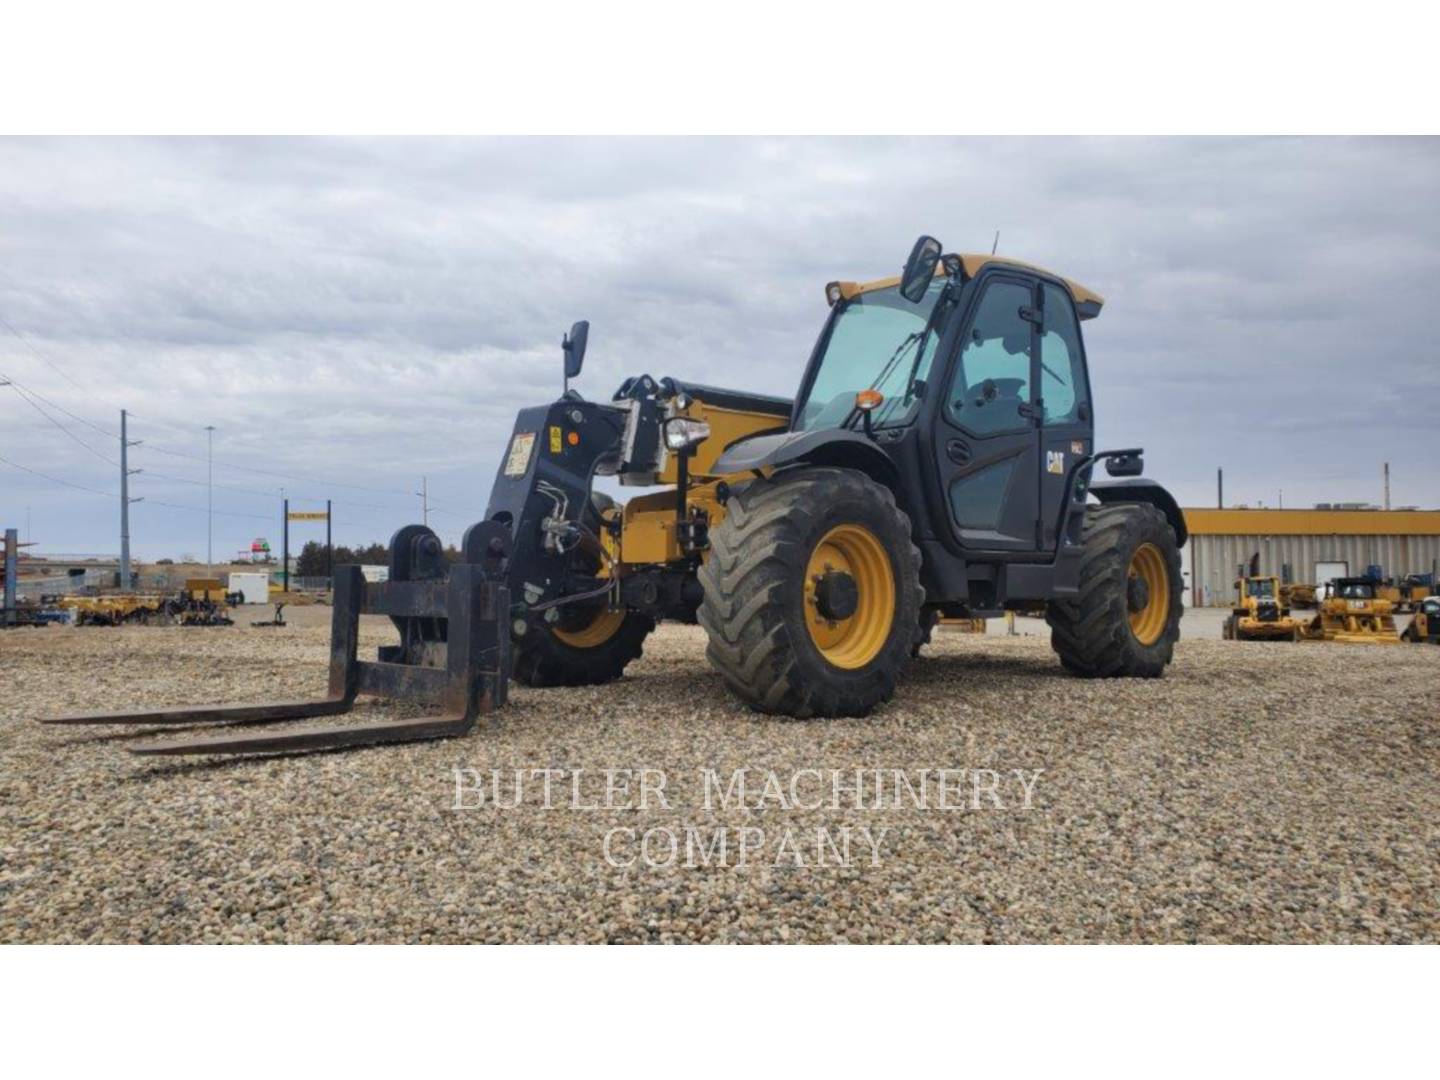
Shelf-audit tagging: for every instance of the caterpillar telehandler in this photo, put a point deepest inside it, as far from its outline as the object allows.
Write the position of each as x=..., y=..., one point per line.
x=936, y=460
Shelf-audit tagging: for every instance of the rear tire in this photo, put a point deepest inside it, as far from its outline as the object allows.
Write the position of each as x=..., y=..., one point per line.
x=761, y=596
x=542, y=659
x=1116, y=628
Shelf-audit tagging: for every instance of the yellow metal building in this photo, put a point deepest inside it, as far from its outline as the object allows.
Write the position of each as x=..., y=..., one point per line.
x=1312, y=543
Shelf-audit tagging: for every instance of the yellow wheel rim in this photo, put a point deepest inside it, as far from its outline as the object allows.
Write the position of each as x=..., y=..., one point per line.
x=1148, y=623
x=854, y=641
x=597, y=631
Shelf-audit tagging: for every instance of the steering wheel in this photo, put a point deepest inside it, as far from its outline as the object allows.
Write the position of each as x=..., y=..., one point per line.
x=992, y=390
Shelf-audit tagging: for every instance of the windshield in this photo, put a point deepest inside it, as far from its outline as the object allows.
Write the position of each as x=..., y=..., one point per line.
x=878, y=342
x=1261, y=587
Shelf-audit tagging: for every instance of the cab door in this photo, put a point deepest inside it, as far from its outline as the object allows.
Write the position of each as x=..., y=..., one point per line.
x=988, y=449
x=1067, y=428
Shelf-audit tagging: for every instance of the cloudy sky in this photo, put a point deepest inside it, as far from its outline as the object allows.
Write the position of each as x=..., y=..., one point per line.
x=354, y=315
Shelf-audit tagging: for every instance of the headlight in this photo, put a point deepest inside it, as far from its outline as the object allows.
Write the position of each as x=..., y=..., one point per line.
x=681, y=434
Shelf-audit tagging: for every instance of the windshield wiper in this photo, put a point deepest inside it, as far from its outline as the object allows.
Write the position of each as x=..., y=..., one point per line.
x=909, y=340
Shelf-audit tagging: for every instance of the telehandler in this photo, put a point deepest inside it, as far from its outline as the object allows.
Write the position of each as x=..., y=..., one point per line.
x=935, y=461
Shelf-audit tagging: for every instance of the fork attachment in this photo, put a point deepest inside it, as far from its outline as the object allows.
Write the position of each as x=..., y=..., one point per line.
x=454, y=652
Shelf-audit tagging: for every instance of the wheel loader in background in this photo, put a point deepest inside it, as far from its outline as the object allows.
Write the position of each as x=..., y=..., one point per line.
x=1259, y=614
x=936, y=461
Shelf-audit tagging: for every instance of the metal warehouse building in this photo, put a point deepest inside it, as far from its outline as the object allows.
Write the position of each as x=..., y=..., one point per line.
x=1316, y=545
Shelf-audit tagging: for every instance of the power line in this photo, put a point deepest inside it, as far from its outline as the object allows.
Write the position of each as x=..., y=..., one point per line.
x=202, y=510
x=112, y=495
x=56, y=479
x=28, y=397
x=282, y=475
x=50, y=363
x=59, y=408
x=33, y=397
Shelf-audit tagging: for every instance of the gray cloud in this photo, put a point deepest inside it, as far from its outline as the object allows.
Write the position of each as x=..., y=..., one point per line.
x=368, y=311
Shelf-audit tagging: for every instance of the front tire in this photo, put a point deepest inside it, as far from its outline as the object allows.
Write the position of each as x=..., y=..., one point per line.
x=1126, y=620
x=812, y=594
x=590, y=644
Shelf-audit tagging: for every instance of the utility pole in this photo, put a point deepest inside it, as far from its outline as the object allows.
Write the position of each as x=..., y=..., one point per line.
x=1220, y=489
x=1387, y=485
x=209, y=499
x=329, y=547
x=125, y=473
x=424, y=494
x=12, y=575
x=285, y=545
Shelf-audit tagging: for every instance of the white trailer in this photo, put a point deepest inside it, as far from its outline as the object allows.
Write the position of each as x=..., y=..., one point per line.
x=255, y=588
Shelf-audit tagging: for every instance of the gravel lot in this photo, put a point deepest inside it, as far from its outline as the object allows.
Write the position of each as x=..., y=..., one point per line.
x=1260, y=792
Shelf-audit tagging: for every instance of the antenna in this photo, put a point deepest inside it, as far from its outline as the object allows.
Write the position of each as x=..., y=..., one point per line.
x=996, y=244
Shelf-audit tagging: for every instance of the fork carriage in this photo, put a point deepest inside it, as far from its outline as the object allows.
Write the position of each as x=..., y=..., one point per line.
x=454, y=653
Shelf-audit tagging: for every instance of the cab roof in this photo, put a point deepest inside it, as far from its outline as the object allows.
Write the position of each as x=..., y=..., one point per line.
x=1087, y=301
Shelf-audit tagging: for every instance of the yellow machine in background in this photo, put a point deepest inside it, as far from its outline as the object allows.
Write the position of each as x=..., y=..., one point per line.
x=114, y=610
x=1259, y=613
x=1297, y=594
x=1406, y=595
x=1352, y=613
x=204, y=602
x=1424, y=628
x=965, y=626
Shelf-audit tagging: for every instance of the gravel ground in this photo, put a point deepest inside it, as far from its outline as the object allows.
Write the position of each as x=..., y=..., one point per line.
x=1285, y=793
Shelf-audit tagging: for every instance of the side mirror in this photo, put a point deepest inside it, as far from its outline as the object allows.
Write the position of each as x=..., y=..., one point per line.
x=574, y=348
x=1131, y=464
x=919, y=269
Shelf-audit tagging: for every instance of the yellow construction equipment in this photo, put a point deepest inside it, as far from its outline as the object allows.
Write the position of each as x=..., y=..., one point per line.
x=204, y=602
x=114, y=610
x=937, y=458
x=1260, y=614
x=1424, y=628
x=965, y=626
x=1297, y=594
x=1351, y=613
x=1406, y=594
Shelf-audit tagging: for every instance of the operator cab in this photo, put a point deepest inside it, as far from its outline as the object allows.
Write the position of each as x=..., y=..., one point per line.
x=1260, y=588
x=974, y=371
x=1354, y=588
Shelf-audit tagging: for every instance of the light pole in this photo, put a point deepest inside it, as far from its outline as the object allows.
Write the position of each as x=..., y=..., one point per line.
x=209, y=499
x=125, y=473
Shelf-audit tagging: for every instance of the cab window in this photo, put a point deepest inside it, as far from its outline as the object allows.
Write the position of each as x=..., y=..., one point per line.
x=992, y=380
x=1062, y=364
